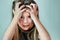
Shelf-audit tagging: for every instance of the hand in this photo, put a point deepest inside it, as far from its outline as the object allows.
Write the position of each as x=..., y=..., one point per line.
x=33, y=10
x=34, y=7
x=18, y=11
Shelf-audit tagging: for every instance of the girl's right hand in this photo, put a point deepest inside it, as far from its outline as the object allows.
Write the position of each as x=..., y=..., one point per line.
x=18, y=11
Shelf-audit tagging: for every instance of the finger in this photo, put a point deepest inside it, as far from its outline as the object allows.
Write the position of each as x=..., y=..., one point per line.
x=31, y=13
x=34, y=6
x=29, y=7
x=17, y=5
x=22, y=7
x=20, y=13
x=31, y=10
x=23, y=10
x=28, y=11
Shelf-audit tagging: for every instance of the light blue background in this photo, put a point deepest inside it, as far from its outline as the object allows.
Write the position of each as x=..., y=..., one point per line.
x=49, y=12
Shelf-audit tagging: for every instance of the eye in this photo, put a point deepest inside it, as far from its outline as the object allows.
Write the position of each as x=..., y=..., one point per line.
x=21, y=16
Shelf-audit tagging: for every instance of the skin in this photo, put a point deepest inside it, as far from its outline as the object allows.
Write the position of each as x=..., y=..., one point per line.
x=25, y=22
x=21, y=17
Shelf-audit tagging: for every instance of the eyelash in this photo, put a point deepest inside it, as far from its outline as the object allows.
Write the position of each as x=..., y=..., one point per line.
x=28, y=16
x=21, y=17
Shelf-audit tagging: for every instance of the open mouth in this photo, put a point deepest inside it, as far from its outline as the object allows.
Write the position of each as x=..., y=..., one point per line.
x=25, y=25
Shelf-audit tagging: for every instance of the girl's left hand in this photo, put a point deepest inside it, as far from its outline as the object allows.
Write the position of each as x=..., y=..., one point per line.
x=33, y=10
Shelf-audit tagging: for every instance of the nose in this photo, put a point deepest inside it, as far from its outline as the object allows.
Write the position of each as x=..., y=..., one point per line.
x=25, y=21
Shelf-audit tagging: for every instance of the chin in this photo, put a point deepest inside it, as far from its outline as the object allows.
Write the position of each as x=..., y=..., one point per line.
x=25, y=28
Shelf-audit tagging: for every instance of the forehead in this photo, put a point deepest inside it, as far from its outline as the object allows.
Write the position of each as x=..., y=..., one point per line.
x=26, y=13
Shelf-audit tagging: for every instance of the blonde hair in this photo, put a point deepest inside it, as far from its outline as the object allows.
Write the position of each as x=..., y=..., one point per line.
x=16, y=35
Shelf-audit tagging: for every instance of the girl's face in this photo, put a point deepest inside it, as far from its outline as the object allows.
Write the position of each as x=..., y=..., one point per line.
x=25, y=22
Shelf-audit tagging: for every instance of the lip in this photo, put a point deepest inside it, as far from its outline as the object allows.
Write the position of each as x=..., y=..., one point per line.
x=25, y=25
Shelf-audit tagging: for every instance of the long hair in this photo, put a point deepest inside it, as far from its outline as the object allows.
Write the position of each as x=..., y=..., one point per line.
x=16, y=35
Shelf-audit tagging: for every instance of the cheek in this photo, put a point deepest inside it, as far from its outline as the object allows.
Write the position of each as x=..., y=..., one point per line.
x=21, y=21
x=30, y=21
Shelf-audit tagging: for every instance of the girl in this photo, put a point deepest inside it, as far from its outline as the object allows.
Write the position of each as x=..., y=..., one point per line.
x=25, y=24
